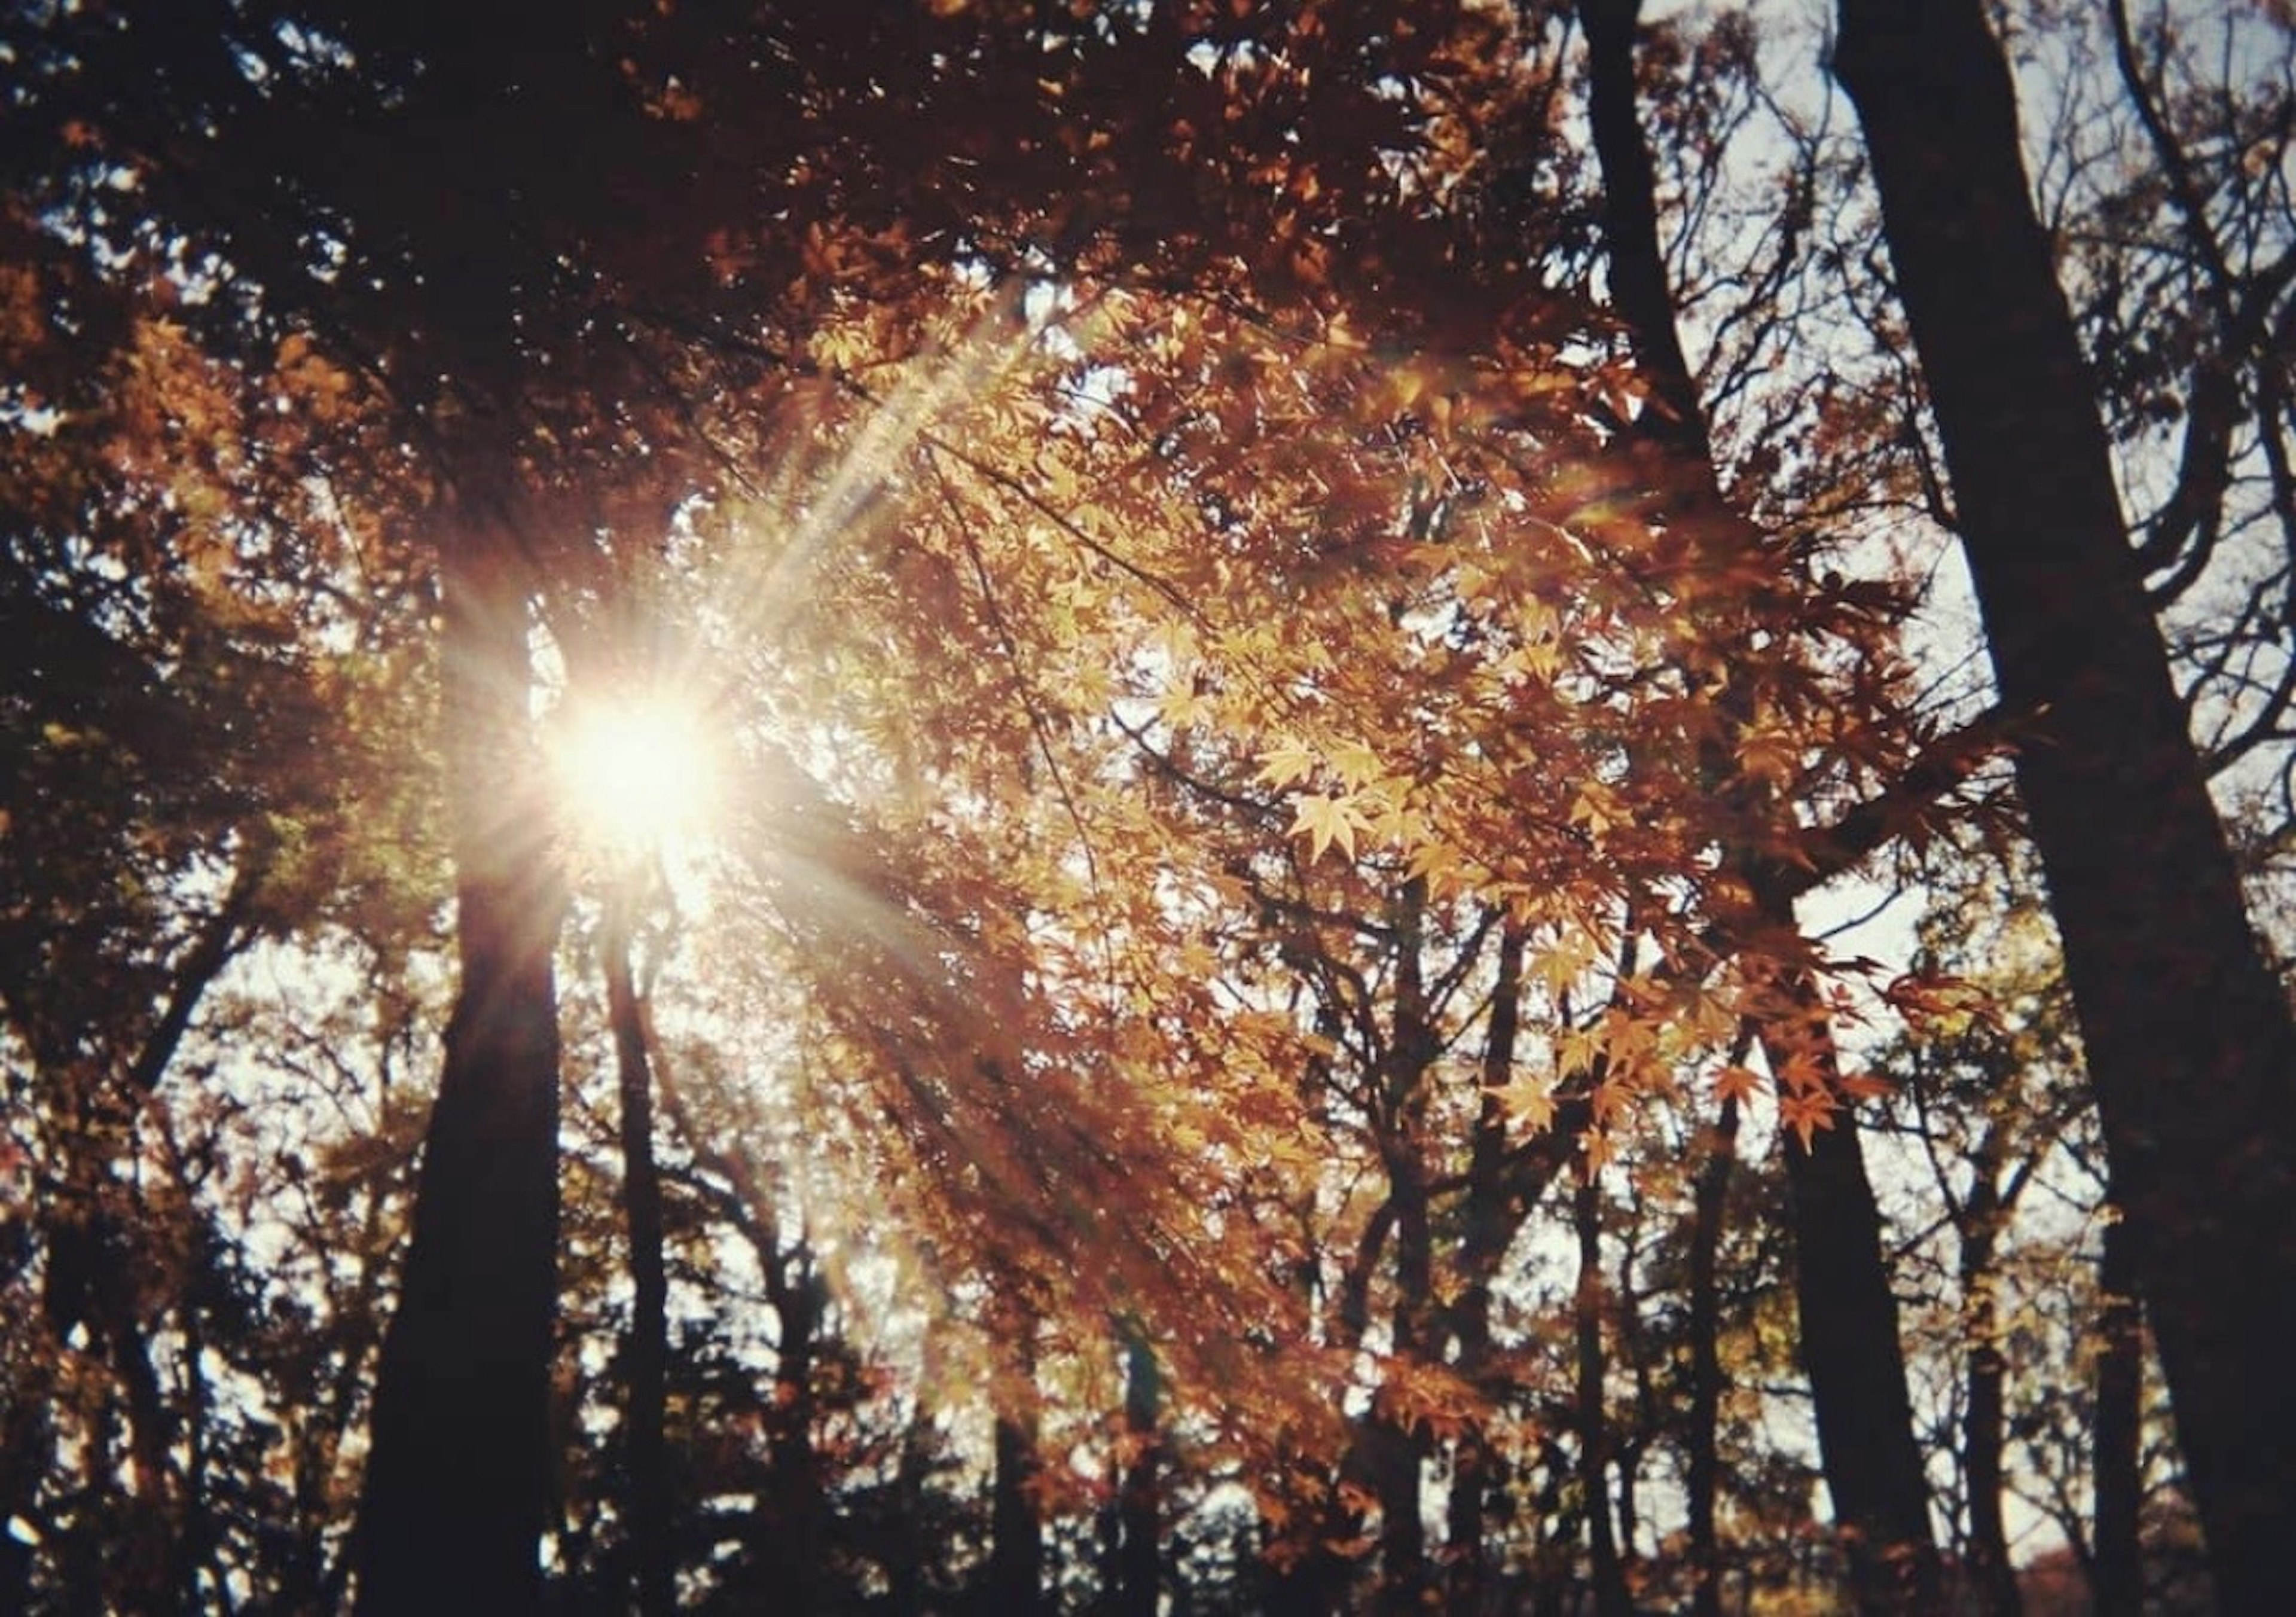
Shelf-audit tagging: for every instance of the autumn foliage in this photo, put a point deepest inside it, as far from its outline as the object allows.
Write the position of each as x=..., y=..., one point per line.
x=1234, y=1028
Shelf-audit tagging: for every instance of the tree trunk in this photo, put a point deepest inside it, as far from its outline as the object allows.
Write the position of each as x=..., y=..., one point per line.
x=1850, y=1344
x=796, y=1501
x=1849, y=1334
x=1490, y=1224
x=1014, y=1580
x=645, y=1357
x=2191, y=1050
x=1984, y=1417
x=2116, y=1559
x=1704, y=1465
x=1139, y=1551
x=1394, y=1448
x=1611, y=1596
x=458, y=1483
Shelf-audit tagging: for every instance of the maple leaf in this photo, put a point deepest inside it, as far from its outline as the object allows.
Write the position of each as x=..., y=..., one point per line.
x=1288, y=760
x=1527, y=1100
x=1327, y=820
x=1806, y=1112
x=1865, y=1085
x=1576, y=1048
x=1801, y=1073
x=1439, y=865
x=1736, y=1083
x=1356, y=764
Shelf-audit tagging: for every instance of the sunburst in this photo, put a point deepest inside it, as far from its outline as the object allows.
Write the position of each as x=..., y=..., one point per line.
x=636, y=775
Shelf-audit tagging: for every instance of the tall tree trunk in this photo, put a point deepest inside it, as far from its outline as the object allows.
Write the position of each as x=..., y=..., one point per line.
x=1394, y=1448
x=1014, y=1580
x=645, y=1355
x=1984, y=1417
x=796, y=1502
x=458, y=1482
x=1849, y=1336
x=2116, y=1557
x=1492, y=1222
x=27, y=1450
x=1851, y=1348
x=1703, y=1468
x=1139, y=1549
x=2191, y=1050
x=1611, y=1596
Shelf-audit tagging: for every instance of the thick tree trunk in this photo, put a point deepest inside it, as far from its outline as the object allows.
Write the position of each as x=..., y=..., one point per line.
x=2116, y=1550
x=796, y=1501
x=1014, y=1580
x=645, y=1355
x=1394, y=1449
x=459, y=1480
x=2190, y=1046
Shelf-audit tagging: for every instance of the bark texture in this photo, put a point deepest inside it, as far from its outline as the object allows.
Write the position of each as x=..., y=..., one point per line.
x=2190, y=1046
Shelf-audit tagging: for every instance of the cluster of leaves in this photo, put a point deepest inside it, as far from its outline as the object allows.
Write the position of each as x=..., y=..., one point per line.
x=1255, y=763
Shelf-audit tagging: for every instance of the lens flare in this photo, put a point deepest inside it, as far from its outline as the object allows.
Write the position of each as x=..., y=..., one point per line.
x=634, y=775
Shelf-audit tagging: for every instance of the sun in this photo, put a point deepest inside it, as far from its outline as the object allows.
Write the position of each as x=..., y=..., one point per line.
x=636, y=775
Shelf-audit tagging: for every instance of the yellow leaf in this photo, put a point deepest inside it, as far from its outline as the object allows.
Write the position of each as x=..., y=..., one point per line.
x=1286, y=762
x=1528, y=1102
x=1327, y=820
x=1356, y=764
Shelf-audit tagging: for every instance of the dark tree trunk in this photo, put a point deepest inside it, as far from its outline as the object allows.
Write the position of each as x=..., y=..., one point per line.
x=1139, y=1549
x=2191, y=1050
x=1850, y=1344
x=458, y=1484
x=1394, y=1449
x=1014, y=1581
x=796, y=1504
x=1703, y=1467
x=1630, y=238
x=1984, y=1418
x=1611, y=1596
x=1393, y=1446
x=645, y=1355
x=27, y=1448
x=1491, y=1216
x=2116, y=1559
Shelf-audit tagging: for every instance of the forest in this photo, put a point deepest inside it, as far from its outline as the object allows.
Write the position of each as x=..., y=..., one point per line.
x=1147, y=807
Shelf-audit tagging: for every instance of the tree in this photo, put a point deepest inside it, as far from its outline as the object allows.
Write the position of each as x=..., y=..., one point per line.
x=2165, y=971
x=1261, y=756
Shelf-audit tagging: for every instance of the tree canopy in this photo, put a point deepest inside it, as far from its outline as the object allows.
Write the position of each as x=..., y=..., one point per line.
x=1278, y=623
